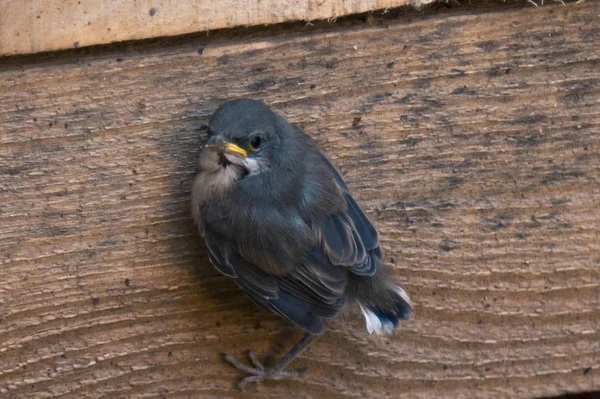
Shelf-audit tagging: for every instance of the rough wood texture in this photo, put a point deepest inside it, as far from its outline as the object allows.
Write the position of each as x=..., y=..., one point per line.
x=471, y=137
x=32, y=26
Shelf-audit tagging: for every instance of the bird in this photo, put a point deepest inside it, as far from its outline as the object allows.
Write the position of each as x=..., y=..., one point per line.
x=278, y=219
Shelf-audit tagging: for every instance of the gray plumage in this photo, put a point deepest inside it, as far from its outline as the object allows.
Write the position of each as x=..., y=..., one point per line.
x=281, y=222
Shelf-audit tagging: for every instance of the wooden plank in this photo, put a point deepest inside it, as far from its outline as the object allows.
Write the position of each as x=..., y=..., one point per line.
x=34, y=26
x=470, y=136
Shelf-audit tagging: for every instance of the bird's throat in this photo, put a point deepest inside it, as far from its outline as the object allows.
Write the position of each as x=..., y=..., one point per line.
x=226, y=163
x=223, y=161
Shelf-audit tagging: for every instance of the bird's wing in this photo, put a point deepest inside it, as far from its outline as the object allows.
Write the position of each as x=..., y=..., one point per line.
x=314, y=290
x=349, y=239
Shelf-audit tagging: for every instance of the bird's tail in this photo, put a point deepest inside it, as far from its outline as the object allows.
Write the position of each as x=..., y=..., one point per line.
x=383, y=302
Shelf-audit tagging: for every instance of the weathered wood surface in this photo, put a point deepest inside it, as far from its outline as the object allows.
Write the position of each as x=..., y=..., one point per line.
x=32, y=26
x=471, y=137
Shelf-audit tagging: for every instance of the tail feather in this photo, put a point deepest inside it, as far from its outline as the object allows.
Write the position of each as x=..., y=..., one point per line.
x=386, y=321
x=382, y=302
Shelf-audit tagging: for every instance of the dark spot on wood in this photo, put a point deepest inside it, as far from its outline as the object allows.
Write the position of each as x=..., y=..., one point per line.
x=432, y=103
x=419, y=110
x=448, y=245
x=535, y=223
x=331, y=63
x=459, y=72
x=498, y=71
x=390, y=65
x=559, y=176
x=249, y=54
x=514, y=47
x=422, y=83
x=313, y=86
x=76, y=44
x=416, y=215
x=586, y=371
x=303, y=63
x=530, y=120
x=498, y=222
x=571, y=98
x=152, y=11
x=366, y=109
x=127, y=282
x=464, y=90
x=120, y=59
x=530, y=140
x=200, y=50
x=262, y=84
x=223, y=60
x=404, y=100
x=558, y=202
x=378, y=97
x=95, y=301
x=10, y=171
x=488, y=46
x=590, y=35
x=291, y=82
x=61, y=193
x=444, y=206
x=425, y=38
x=411, y=141
x=66, y=125
x=328, y=50
x=454, y=181
x=562, y=226
x=108, y=243
x=53, y=231
x=521, y=236
x=356, y=122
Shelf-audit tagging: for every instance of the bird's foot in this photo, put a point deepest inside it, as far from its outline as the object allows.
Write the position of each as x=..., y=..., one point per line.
x=260, y=372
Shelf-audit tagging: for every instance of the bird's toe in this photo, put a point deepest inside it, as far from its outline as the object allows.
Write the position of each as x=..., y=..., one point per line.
x=259, y=372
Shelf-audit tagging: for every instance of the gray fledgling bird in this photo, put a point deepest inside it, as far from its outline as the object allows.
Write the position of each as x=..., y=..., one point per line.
x=279, y=220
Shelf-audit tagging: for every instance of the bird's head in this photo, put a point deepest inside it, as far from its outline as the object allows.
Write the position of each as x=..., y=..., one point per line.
x=244, y=134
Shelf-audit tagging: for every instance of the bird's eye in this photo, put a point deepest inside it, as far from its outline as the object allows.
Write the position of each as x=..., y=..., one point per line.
x=255, y=142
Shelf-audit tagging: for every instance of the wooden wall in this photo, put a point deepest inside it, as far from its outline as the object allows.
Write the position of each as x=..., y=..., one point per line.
x=28, y=26
x=471, y=136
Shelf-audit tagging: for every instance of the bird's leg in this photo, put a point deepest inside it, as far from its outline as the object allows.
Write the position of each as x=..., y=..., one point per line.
x=277, y=372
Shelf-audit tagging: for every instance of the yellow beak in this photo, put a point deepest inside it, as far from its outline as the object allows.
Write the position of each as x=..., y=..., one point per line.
x=229, y=147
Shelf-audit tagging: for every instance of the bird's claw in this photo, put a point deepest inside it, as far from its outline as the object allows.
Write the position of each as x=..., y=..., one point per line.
x=260, y=372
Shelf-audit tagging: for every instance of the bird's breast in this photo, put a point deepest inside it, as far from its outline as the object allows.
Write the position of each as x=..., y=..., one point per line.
x=210, y=184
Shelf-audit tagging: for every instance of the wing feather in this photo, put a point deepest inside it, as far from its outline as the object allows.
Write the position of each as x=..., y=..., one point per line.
x=337, y=240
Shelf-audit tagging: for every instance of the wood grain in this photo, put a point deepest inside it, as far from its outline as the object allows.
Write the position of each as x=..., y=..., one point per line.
x=33, y=26
x=470, y=136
